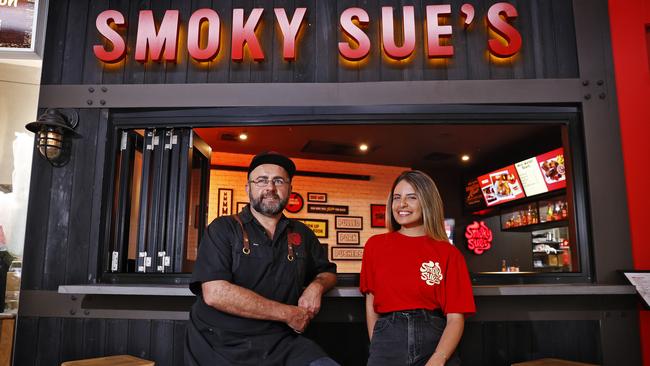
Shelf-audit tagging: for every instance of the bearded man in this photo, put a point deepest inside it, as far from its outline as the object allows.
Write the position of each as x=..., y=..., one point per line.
x=259, y=278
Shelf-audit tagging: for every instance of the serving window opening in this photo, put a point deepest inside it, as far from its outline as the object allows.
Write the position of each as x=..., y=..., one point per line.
x=509, y=191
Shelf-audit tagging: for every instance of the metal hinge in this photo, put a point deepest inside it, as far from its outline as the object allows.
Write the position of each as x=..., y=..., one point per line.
x=125, y=137
x=115, y=259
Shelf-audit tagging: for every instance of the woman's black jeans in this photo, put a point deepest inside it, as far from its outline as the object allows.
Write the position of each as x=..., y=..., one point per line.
x=407, y=338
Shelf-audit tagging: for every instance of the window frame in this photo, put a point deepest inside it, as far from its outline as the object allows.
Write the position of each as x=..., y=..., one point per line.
x=568, y=115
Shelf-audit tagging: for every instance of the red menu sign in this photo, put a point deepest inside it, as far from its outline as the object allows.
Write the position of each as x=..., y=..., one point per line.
x=553, y=169
x=501, y=186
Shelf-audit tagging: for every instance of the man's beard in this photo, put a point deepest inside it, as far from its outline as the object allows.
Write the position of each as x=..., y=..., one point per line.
x=268, y=208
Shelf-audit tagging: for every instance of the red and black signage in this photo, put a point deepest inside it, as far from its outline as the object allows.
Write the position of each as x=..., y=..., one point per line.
x=479, y=237
x=295, y=204
x=158, y=39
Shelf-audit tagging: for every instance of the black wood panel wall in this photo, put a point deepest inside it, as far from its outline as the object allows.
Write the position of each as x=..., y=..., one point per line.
x=56, y=340
x=548, y=47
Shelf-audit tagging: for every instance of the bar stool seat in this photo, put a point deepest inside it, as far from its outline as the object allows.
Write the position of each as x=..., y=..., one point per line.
x=552, y=362
x=119, y=360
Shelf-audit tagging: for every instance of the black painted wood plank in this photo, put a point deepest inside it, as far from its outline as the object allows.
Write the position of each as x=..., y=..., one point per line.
x=92, y=67
x=26, y=333
x=495, y=343
x=37, y=221
x=306, y=60
x=102, y=188
x=240, y=71
x=72, y=339
x=536, y=26
x=436, y=68
x=176, y=72
x=114, y=73
x=520, y=339
x=50, y=340
x=219, y=68
x=94, y=338
x=326, y=61
x=162, y=350
x=457, y=65
x=54, y=42
x=477, y=36
x=471, y=344
x=566, y=47
x=59, y=223
x=282, y=70
x=371, y=68
x=524, y=67
x=155, y=70
x=348, y=71
x=139, y=339
x=548, y=40
x=117, y=331
x=415, y=63
x=195, y=72
x=501, y=68
x=73, y=55
x=134, y=71
x=79, y=240
x=179, y=342
x=262, y=71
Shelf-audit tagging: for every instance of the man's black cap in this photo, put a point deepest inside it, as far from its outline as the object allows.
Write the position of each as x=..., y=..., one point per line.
x=272, y=157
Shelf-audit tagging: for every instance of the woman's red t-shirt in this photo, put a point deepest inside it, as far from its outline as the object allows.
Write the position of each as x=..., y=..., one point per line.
x=404, y=273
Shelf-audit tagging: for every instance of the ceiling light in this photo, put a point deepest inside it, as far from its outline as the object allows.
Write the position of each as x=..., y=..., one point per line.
x=464, y=157
x=243, y=136
x=363, y=147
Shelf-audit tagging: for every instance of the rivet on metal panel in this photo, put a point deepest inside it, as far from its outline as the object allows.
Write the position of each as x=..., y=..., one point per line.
x=599, y=82
x=86, y=312
x=104, y=89
x=89, y=102
x=602, y=95
x=585, y=82
x=73, y=311
x=91, y=89
x=587, y=96
x=102, y=102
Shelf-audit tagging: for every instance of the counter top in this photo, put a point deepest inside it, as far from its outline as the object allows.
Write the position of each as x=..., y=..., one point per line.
x=505, y=290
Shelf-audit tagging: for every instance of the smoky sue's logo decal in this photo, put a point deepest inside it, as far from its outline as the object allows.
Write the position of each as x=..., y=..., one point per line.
x=431, y=273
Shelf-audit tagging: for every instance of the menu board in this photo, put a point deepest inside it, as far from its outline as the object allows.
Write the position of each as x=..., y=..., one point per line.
x=553, y=169
x=531, y=177
x=501, y=186
x=473, y=193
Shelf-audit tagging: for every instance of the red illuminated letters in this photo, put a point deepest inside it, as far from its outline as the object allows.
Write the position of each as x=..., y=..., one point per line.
x=160, y=43
x=155, y=42
x=355, y=34
x=388, y=33
x=504, y=29
x=244, y=33
x=213, y=44
x=289, y=31
x=435, y=31
x=103, y=26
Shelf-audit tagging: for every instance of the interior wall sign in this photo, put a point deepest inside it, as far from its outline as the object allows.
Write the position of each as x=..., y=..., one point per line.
x=479, y=237
x=158, y=39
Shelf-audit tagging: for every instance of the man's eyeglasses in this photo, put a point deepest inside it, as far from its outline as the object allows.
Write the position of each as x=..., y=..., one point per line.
x=263, y=182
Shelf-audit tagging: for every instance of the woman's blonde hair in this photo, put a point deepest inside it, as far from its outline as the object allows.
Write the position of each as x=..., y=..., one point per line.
x=430, y=201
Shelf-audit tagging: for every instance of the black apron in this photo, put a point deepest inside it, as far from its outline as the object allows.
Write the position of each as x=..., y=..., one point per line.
x=263, y=342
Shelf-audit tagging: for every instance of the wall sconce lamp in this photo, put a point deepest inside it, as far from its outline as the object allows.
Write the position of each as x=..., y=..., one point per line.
x=53, y=131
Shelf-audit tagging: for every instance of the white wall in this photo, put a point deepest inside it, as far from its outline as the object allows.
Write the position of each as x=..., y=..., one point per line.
x=19, y=88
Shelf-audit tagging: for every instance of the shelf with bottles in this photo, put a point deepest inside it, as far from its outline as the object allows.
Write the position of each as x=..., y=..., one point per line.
x=551, y=250
x=535, y=215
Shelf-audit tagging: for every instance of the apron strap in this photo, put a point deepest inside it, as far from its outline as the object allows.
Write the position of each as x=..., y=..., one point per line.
x=246, y=249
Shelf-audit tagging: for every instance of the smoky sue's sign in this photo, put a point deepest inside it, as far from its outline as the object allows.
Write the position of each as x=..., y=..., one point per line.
x=158, y=39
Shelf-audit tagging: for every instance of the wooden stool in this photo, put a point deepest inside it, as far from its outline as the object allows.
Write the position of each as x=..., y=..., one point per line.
x=121, y=360
x=552, y=362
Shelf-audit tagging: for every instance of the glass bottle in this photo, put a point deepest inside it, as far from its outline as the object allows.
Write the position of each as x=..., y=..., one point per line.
x=549, y=212
x=503, y=266
x=565, y=210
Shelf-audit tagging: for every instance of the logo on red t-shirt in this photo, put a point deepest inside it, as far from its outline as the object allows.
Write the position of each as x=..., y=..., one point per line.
x=431, y=273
